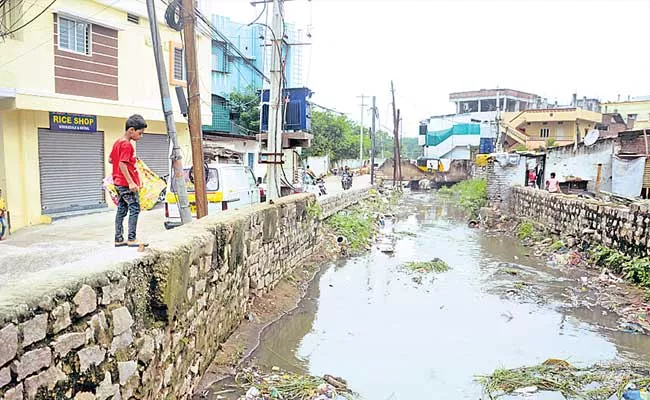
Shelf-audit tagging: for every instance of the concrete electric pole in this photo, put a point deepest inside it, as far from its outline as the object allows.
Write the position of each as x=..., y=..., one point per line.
x=176, y=158
x=194, y=110
x=274, y=147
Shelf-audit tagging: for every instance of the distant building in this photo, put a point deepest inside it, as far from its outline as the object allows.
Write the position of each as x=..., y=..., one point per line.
x=493, y=99
x=535, y=128
x=636, y=109
x=235, y=66
x=453, y=136
x=612, y=124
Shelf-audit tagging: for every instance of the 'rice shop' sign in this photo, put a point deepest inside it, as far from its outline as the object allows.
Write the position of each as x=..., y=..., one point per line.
x=73, y=122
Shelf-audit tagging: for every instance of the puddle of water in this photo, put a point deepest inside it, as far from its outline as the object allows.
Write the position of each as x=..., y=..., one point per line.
x=366, y=320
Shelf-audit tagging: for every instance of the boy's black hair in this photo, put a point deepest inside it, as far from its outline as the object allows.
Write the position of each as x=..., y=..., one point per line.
x=135, y=121
x=552, y=174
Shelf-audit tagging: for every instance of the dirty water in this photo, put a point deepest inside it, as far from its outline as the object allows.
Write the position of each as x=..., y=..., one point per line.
x=366, y=319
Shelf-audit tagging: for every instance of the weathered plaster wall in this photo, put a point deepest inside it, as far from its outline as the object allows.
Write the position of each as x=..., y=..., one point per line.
x=615, y=226
x=148, y=328
x=583, y=163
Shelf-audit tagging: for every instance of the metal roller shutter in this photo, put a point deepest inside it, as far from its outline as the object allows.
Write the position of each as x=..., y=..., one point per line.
x=153, y=149
x=72, y=169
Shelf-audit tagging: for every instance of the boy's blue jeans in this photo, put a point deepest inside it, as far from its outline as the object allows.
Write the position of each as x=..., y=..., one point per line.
x=3, y=228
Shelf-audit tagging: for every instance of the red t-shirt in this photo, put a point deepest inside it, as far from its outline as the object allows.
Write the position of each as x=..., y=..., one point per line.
x=123, y=151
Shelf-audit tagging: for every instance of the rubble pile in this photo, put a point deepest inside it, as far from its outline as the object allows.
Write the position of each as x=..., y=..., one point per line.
x=277, y=384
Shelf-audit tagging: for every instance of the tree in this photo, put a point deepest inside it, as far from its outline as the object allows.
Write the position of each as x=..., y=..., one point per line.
x=246, y=107
x=410, y=148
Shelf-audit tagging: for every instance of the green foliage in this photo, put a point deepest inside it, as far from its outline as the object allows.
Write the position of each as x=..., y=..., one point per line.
x=338, y=136
x=635, y=270
x=638, y=271
x=472, y=194
x=556, y=246
x=525, y=231
x=445, y=191
x=314, y=210
x=550, y=142
x=247, y=105
x=355, y=225
x=521, y=147
x=410, y=148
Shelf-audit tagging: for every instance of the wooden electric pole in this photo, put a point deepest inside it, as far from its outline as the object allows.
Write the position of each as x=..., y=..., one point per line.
x=397, y=163
x=165, y=98
x=372, y=141
x=194, y=109
x=398, y=150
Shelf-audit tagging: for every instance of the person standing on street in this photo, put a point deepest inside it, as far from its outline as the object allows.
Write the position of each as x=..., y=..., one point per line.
x=3, y=217
x=127, y=181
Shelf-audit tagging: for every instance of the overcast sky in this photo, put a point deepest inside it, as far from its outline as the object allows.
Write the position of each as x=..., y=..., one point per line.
x=430, y=48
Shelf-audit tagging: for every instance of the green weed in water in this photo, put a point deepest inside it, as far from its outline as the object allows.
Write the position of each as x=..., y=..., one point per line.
x=435, y=265
x=471, y=194
x=595, y=382
x=556, y=246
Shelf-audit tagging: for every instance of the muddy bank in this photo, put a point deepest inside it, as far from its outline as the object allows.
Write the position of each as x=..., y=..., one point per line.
x=601, y=279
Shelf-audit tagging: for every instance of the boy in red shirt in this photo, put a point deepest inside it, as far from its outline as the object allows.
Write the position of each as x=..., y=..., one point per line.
x=127, y=181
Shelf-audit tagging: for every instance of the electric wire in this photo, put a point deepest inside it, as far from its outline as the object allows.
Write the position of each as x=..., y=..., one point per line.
x=30, y=21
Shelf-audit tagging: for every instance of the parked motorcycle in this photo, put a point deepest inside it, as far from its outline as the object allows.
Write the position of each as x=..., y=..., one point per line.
x=346, y=181
x=320, y=182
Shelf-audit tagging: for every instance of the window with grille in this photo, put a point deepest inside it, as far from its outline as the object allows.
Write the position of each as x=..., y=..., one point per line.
x=544, y=132
x=74, y=35
x=179, y=64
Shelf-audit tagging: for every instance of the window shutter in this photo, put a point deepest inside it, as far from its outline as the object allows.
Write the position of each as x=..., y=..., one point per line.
x=178, y=64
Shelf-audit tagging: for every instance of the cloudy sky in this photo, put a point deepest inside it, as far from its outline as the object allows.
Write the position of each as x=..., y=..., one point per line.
x=430, y=48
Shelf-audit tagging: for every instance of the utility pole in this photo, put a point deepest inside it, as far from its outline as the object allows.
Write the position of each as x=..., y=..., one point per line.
x=274, y=147
x=395, y=127
x=372, y=141
x=194, y=110
x=175, y=156
x=363, y=105
x=398, y=150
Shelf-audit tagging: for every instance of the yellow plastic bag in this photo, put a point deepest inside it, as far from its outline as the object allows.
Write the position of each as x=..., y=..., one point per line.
x=150, y=186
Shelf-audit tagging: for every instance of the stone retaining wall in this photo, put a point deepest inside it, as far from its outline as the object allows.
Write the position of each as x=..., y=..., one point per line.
x=623, y=228
x=148, y=328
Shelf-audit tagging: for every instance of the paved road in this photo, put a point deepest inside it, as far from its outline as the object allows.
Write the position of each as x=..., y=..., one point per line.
x=46, y=256
x=333, y=183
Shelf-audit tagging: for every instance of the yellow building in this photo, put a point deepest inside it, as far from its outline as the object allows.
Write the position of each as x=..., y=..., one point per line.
x=68, y=82
x=535, y=128
x=638, y=110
